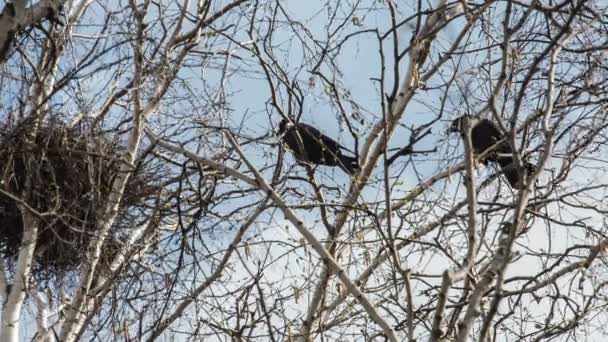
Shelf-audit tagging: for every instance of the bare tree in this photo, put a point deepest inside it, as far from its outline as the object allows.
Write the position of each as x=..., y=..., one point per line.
x=145, y=192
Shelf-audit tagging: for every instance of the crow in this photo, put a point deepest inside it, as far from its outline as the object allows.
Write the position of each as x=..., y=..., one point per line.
x=308, y=144
x=486, y=135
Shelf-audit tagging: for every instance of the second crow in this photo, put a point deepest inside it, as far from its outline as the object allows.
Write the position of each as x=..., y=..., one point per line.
x=486, y=135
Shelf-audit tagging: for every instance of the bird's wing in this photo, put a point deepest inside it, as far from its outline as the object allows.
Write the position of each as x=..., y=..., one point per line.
x=318, y=135
x=490, y=130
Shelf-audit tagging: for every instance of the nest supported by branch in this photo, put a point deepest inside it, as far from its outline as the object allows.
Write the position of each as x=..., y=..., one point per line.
x=65, y=175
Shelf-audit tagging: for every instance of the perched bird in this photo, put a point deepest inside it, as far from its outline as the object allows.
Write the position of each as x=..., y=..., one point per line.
x=486, y=135
x=308, y=144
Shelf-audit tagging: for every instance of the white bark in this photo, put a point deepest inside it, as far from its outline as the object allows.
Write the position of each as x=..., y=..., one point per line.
x=333, y=265
x=42, y=317
x=209, y=280
x=418, y=54
x=371, y=152
x=16, y=17
x=9, y=328
x=3, y=281
x=261, y=184
x=500, y=261
x=76, y=316
x=129, y=253
x=450, y=278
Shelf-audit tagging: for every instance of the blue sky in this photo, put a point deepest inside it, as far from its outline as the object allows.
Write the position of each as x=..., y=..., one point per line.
x=247, y=95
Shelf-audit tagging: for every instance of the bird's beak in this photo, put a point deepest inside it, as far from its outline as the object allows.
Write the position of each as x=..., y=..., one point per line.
x=283, y=129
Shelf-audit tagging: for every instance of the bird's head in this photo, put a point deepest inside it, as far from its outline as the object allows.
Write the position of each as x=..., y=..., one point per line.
x=458, y=125
x=284, y=125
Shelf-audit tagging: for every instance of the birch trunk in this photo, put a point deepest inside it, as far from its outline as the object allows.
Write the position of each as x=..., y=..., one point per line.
x=12, y=311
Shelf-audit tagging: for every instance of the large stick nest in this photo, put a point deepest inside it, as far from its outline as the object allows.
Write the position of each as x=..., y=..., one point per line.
x=65, y=175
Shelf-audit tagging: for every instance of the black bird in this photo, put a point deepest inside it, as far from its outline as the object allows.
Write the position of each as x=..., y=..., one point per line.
x=485, y=134
x=308, y=144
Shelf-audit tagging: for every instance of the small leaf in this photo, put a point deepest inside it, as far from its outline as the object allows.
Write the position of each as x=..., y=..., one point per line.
x=297, y=294
x=247, y=249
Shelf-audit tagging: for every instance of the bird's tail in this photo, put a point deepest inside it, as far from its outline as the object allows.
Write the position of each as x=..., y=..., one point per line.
x=510, y=171
x=349, y=164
